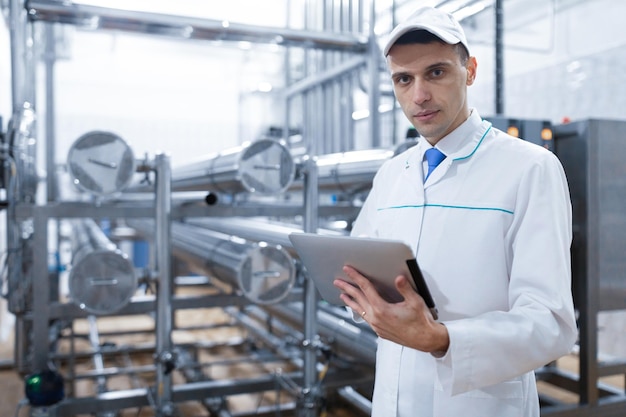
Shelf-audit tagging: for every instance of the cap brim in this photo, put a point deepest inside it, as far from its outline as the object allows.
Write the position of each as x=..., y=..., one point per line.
x=443, y=35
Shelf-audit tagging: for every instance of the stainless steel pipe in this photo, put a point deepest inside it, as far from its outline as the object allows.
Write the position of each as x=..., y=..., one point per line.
x=164, y=355
x=264, y=166
x=348, y=172
x=264, y=273
x=187, y=27
x=102, y=279
x=347, y=337
x=22, y=139
x=254, y=229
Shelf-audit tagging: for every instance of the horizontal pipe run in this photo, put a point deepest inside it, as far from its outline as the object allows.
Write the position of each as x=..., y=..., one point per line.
x=357, y=400
x=264, y=166
x=255, y=229
x=349, y=339
x=264, y=273
x=327, y=76
x=348, y=172
x=187, y=27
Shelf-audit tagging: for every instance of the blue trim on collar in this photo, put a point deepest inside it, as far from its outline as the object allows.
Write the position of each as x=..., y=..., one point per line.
x=477, y=145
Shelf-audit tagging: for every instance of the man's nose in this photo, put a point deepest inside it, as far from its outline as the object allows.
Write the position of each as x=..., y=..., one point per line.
x=421, y=92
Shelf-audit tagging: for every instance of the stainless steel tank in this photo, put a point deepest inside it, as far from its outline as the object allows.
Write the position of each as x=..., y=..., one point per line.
x=265, y=166
x=265, y=273
x=102, y=279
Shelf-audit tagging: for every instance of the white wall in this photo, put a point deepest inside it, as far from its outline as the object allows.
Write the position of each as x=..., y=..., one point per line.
x=183, y=98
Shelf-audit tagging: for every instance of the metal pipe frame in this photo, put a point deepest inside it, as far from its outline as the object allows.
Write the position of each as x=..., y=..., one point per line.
x=373, y=65
x=186, y=27
x=344, y=336
x=330, y=80
x=49, y=61
x=310, y=388
x=164, y=355
x=114, y=401
x=19, y=50
x=345, y=68
x=22, y=128
x=44, y=310
x=98, y=361
x=42, y=307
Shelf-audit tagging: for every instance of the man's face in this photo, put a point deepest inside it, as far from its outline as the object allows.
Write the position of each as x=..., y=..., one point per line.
x=430, y=83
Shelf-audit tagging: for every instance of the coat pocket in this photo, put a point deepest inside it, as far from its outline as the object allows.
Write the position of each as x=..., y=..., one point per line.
x=502, y=400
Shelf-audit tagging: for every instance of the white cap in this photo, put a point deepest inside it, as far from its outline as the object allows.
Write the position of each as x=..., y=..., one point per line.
x=439, y=23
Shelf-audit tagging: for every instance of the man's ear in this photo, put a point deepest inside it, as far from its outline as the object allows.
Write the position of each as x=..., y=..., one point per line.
x=471, y=70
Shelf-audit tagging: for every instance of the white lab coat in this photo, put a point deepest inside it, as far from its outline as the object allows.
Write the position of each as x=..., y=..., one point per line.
x=491, y=229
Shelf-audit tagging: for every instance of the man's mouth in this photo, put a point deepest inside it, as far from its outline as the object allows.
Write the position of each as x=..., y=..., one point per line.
x=426, y=115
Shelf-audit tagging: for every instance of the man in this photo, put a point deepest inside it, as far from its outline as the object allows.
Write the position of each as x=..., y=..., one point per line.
x=491, y=229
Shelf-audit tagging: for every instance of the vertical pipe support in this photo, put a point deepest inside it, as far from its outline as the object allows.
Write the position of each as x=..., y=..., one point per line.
x=310, y=386
x=499, y=57
x=17, y=23
x=164, y=355
x=17, y=33
x=49, y=59
x=374, y=79
x=589, y=394
x=23, y=72
x=98, y=360
x=41, y=292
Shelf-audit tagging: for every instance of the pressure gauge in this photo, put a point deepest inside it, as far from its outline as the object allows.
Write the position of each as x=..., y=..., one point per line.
x=101, y=163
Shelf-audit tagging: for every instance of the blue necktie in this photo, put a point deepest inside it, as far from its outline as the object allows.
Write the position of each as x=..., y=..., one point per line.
x=434, y=157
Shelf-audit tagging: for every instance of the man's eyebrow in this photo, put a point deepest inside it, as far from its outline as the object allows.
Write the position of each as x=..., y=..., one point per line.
x=399, y=74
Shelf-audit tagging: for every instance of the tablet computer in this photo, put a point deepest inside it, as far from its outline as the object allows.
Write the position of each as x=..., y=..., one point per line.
x=380, y=260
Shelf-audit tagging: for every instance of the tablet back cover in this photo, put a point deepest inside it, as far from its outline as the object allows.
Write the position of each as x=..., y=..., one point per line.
x=380, y=260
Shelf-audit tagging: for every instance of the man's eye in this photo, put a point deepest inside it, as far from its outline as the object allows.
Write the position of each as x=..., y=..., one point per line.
x=403, y=79
x=436, y=73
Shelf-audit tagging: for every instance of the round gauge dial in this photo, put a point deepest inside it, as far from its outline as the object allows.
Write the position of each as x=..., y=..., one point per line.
x=102, y=281
x=101, y=163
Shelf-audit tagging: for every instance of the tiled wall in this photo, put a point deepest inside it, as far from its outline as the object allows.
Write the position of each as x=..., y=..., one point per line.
x=593, y=86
